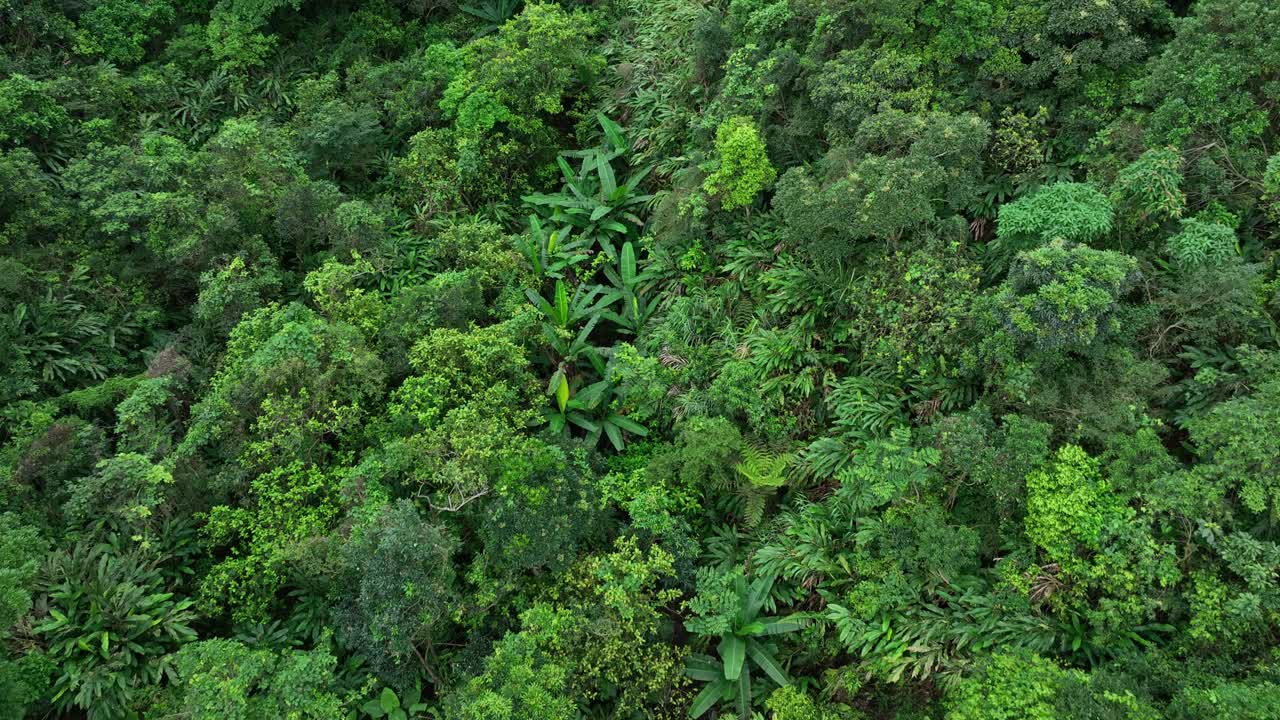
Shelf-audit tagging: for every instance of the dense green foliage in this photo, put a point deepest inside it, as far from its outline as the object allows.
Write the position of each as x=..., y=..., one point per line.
x=622, y=359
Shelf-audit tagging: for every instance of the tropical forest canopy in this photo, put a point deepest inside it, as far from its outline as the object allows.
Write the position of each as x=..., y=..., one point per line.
x=629, y=359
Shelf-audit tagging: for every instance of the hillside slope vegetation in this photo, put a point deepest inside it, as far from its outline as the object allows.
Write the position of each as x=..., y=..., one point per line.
x=639, y=359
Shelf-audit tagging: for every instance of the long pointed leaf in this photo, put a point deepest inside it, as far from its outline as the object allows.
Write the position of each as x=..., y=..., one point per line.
x=613, y=131
x=615, y=435
x=744, y=696
x=779, y=626
x=628, y=265
x=608, y=183
x=700, y=660
x=628, y=424
x=586, y=331
x=562, y=392
x=765, y=662
x=733, y=651
x=605, y=301
x=562, y=304
x=704, y=667
x=708, y=698
x=756, y=597
x=616, y=318
x=541, y=303
x=705, y=674
x=638, y=177
x=596, y=361
x=593, y=393
x=581, y=421
x=565, y=170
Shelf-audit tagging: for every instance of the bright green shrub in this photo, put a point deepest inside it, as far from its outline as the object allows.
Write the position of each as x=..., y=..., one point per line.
x=229, y=292
x=1075, y=212
x=615, y=646
x=429, y=176
x=235, y=32
x=544, y=506
x=283, y=509
x=144, y=420
x=288, y=378
x=1201, y=85
x=788, y=703
x=1238, y=440
x=521, y=679
x=1067, y=505
x=744, y=168
x=454, y=368
x=1010, y=687
x=1018, y=144
x=792, y=703
x=860, y=82
x=336, y=290
x=223, y=679
x=1228, y=700
x=1271, y=187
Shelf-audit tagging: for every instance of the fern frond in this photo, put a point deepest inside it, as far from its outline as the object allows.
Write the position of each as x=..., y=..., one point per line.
x=753, y=509
x=762, y=468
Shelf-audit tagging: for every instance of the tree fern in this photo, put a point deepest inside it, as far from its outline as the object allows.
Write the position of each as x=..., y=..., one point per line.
x=493, y=12
x=762, y=468
x=764, y=472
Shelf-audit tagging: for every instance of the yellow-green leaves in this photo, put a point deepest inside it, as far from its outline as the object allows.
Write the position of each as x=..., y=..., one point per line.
x=1067, y=504
x=562, y=391
x=744, y=168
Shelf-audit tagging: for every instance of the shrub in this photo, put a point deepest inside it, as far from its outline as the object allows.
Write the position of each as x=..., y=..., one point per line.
x=744, y=168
